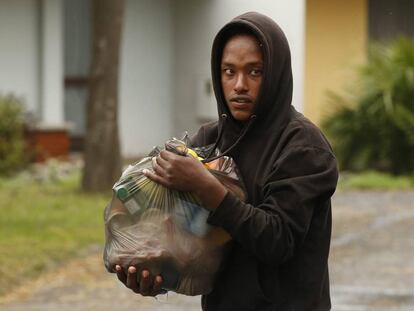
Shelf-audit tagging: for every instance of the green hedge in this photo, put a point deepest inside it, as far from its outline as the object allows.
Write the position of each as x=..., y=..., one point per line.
x=373, y=128
x=12, y=143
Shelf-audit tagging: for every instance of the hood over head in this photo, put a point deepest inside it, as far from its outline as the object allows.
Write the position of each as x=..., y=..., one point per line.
x=274, y=101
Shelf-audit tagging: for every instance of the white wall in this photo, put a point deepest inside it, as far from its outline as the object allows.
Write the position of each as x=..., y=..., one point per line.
x=165, y=60
x=31, y=56
x=146, y=76
x=198, y=21
x=19, y=52
x=194, y=33
x=52, y=63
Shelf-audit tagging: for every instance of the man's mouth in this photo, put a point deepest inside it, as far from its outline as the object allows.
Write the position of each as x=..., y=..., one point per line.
x=241, y=100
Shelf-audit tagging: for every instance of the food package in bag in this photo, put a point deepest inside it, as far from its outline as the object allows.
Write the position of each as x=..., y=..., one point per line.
x=165, y=231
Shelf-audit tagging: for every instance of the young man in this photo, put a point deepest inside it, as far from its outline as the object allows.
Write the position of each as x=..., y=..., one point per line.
x=281, y=234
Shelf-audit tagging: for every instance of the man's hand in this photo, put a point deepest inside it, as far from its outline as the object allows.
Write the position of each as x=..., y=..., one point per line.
x=146, y=287
x=185, y=173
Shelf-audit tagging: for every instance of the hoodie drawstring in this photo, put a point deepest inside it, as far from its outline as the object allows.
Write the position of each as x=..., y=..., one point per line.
x=242, y=134
x=224, y=117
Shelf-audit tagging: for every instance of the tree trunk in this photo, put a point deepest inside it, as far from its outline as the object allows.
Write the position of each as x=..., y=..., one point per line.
x=102, y=151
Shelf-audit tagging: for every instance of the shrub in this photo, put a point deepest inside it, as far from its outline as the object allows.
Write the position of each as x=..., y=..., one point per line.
x=12, y=142
x=373, y=128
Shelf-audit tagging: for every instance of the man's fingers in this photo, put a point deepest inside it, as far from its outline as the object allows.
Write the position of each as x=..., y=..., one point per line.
x=168, y=155
x=161, y=162
x=160, y=171
x=157, y=285
x=154, y=177
x=131, y=281
x=145, y=286
x=120, y=274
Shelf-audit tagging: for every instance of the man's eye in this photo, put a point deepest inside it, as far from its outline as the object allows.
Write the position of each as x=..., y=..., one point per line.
x=256, y=72
x=228, y=71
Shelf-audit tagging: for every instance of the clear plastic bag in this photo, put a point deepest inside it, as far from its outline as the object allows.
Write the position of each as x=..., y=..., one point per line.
x=165, y=231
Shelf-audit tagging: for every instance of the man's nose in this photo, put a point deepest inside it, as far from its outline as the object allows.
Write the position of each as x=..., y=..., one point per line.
x=240, y=83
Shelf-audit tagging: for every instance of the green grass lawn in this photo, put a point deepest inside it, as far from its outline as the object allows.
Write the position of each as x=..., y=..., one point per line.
x=374, y=181
x=44, y=224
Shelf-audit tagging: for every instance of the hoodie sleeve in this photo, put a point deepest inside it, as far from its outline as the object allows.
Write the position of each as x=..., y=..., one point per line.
x=300, y=182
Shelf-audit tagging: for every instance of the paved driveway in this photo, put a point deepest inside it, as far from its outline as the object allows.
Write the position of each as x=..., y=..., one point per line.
x=371, y=263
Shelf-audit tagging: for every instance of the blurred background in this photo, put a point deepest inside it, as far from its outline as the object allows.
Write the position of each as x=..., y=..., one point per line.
x=87, y=86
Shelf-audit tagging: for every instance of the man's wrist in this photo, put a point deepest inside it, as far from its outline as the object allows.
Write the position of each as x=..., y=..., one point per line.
x=211, y=193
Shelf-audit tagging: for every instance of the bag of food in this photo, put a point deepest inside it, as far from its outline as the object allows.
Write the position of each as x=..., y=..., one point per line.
x=165, y=231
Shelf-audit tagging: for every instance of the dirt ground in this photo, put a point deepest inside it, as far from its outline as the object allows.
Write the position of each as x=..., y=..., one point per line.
x=371, y=266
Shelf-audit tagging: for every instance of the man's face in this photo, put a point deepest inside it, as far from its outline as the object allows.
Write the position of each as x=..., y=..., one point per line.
x=241, y=75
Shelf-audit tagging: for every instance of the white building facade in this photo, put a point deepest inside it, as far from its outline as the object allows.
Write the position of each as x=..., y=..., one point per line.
x=165, y=61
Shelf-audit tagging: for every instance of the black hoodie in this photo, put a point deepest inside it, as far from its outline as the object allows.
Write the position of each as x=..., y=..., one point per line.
x=282, y=233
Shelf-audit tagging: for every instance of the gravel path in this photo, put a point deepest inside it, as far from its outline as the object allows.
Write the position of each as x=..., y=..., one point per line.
x=371, y=266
